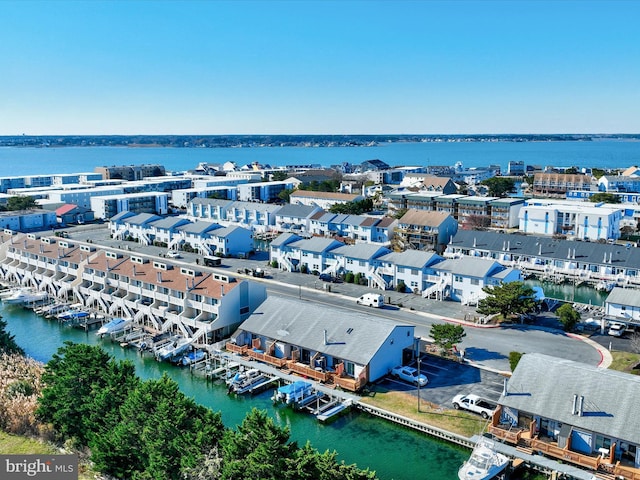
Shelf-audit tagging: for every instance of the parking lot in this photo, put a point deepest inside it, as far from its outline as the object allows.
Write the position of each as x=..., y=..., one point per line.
x=448, y=379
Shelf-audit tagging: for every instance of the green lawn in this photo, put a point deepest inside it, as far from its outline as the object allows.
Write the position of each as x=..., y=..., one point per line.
x=625, y=361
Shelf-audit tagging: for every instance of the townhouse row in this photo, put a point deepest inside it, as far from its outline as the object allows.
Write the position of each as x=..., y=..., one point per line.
x=158, y=295
x=424, y=273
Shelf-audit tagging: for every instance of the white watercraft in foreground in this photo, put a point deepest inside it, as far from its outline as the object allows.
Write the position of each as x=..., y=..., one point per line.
x=21, y=296
x=115, y=325
x=484, y=463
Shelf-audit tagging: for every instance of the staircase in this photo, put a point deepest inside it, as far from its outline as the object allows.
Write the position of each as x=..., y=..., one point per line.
x=284, y=261
x=436, y=289
x=377, y=279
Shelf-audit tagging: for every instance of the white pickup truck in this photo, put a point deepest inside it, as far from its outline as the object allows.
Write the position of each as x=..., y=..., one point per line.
x=474, y=403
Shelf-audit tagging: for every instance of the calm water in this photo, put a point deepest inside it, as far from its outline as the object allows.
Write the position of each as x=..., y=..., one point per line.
x=570, y=293
x=393, y=452
x=599, y=154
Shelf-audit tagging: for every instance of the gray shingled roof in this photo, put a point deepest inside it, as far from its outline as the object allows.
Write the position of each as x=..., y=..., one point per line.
x=303, y=324
x=285, y=238
x=316, y=244
x=624, y=296
x=169, y=223
x=411, y=258
x=300, y=211
x=199, y=228
x=327, y=217
x=226, y=231
x=122, y=215
x=142, y=219
x=213, y=201
x=468, y=266
x=545, y=385
x=362, y=251
x=531, y=245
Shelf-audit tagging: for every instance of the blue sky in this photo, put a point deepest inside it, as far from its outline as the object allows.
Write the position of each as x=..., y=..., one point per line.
x=302, y=67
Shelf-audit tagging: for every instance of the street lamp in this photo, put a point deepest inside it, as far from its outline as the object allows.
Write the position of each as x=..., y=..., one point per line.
x=419, y=362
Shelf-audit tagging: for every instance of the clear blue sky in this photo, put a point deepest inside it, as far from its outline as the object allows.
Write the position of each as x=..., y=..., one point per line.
x=343, y=67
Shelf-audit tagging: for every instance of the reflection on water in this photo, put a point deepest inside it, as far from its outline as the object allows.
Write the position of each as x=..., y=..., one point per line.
x=569, y=292
x=392, y=451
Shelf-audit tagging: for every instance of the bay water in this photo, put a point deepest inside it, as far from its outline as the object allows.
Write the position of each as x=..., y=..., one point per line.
x=15, y=161
x=394, y=452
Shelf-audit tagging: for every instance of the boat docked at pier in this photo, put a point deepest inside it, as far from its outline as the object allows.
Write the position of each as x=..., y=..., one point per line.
x=248, y=381
x=21, y=296
x=113, y=326
x=173, y=348
x=485, y=463
x=299, y=394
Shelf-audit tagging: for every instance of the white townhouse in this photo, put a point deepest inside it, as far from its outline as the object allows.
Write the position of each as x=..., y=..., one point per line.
x=464, y=278
x=209, y=208
x=295, y=218
x=127, y=225
x=158, y=296
x=197, y=235
x=358, y=259
x=292, y=252
x=323, y=200
x=231, y=241
x=256, y=216
x=82, y=196
x=323, y=342
x=414, y=268
x=163, y=231
x=359, y=228
x=579, y=220
x=619, y=183
x=623, y=305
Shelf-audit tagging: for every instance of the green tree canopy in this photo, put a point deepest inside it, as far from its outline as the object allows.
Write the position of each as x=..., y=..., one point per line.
x=285, y=194
x=568, y=316
x=279, y=176
x=513, y=298
x=446, y=335
x=604, y=197
x=21, y=202
x=499, y=186
x=353, y=208
x=257, y=449
x=7, y=342
x=74, y=379
x=161, y=433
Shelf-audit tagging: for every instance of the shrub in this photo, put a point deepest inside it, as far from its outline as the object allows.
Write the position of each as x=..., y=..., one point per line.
x=274, y=264
x=401, y=287
x=348, y=278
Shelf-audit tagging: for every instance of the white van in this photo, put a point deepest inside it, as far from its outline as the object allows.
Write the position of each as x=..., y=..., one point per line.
x=371, y=300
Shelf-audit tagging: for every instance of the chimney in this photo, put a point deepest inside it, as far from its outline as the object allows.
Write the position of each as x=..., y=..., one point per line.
x=222, y=290
x=474, y=242
x=41, y=248
x=569, y=254
x=134, y=270
x=580, y=405
x=159, y=275
x=540, y=249
x=326, y=341
x=574, y=254
x=604, y=260
x=508, y=245
x=504, y=245
x=574, y=405
x=505, y=392
x=186, y=284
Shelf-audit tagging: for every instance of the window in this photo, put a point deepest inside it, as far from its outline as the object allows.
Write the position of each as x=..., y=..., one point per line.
x=244, y=310
x=602, y=442
x=475, y=281
x=458, y=278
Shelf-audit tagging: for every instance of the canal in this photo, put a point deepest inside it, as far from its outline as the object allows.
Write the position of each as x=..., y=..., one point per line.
x=568, y=292
x=392, y=451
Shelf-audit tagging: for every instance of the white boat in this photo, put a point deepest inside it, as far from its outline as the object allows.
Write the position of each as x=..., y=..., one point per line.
x=173, y=348
x=21, y=296
x=192, y=357
x=484, y=463
x=115, y=325
x=247, y=381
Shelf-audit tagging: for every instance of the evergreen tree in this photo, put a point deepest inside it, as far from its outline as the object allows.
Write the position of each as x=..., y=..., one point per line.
x=446, y=335
x=161, y=433
x=73, y=378
x=513, y=298
x=7, y=341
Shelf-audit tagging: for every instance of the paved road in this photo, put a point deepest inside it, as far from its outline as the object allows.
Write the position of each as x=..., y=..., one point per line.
x=484, y=347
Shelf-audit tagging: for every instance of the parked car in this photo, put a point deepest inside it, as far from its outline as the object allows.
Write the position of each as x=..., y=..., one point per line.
x=475, y=404
x=410, y=374
x=173, y=254
x=326, y=277
x=616, y=329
